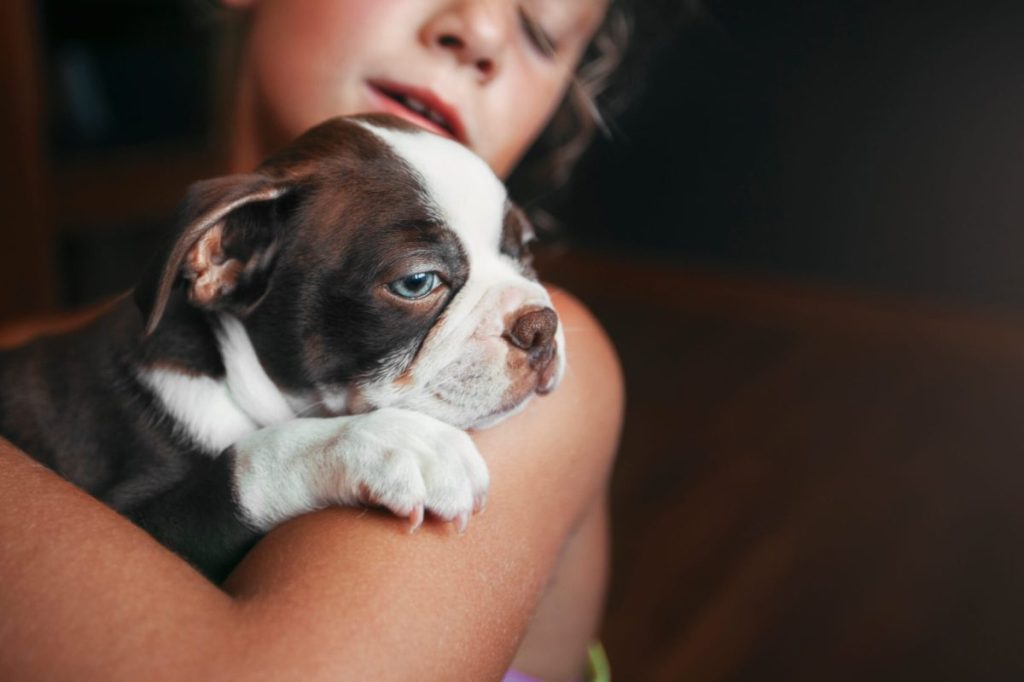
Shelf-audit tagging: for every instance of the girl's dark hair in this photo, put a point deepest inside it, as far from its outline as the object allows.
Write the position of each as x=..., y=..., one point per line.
x=608, y=77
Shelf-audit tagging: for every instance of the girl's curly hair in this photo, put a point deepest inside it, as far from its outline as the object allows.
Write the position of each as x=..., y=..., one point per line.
x=608, y=77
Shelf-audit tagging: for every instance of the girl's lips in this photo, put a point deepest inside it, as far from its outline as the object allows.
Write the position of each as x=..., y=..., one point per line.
x=436, y=115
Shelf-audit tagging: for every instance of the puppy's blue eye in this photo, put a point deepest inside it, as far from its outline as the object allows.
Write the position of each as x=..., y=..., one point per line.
x=415, y=286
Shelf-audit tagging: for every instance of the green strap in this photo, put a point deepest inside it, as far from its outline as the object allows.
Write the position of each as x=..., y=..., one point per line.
x=600, y=670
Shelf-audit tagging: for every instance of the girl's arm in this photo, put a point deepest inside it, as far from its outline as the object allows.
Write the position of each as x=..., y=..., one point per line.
x=339, y=594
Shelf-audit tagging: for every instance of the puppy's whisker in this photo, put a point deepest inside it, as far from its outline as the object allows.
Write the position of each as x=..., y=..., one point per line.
x=309, y=408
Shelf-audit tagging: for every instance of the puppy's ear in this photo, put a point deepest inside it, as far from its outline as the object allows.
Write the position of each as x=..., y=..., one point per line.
x=226, y=237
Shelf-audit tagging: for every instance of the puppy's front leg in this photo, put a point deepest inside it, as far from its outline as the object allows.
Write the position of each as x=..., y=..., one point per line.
x=198, y=517
x=399, y=459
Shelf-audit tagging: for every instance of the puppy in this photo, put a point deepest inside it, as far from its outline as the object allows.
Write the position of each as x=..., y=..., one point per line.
x=321, y=331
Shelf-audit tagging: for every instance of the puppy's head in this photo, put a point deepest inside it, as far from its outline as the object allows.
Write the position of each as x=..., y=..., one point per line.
x=371, y=264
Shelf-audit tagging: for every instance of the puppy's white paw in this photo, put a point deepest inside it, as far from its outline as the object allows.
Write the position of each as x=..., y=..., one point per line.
x=412, y=464
x=402, y=460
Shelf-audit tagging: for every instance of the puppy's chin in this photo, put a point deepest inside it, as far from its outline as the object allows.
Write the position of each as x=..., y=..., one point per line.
x=476, y=419
x=487, y=421
x=513, y=399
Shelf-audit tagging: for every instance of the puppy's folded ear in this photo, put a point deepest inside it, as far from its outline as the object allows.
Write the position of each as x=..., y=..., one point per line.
x=225, y=245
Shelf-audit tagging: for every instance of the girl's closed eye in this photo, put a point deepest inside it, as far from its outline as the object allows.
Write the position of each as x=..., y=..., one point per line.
x=302, y=62
x=539, y=38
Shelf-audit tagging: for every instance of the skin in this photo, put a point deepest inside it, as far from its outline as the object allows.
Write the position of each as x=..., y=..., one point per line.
x=339, y=594
x=307, y=60
x=348, y=594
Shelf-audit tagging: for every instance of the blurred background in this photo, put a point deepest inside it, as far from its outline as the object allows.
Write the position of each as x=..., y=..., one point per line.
x=804, y=237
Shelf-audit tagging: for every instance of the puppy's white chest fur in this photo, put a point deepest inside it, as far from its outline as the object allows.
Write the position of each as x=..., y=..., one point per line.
x=217, y=413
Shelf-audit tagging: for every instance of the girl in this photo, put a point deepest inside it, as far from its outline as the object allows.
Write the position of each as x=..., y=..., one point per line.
x=341, y=594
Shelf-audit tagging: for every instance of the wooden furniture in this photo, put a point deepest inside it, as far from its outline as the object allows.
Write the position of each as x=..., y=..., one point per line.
x=99, y=194
x=28, y=281
x=813, y=484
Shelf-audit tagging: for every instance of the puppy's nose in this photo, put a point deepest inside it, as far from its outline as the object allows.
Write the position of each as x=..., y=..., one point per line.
x=534, y=332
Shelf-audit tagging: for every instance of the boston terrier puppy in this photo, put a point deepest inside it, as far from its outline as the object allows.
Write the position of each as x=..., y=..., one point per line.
x=319, y=332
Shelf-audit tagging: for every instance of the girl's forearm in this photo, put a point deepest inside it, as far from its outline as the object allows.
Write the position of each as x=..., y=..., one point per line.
x=84, y=592
x=341, y=594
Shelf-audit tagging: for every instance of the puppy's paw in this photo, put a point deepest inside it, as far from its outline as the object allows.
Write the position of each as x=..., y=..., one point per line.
x=405, y=461
x=412, y=464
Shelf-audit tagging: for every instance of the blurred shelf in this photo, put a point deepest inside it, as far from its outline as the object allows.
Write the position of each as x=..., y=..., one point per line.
x=126, y=187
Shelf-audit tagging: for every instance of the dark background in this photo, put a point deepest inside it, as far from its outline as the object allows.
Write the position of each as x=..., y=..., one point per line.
x=874, y=145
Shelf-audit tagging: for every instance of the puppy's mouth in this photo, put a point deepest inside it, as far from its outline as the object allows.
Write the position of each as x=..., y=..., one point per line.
x=519, y=393
x=420, y=107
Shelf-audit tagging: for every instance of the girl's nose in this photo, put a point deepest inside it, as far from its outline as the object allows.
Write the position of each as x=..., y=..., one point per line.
x=474, y=32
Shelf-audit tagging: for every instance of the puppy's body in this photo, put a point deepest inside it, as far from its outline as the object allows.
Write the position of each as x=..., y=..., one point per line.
x=75, y=403
x=320, y=332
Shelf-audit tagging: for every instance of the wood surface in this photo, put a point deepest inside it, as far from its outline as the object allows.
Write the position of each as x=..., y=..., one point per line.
x=813, y=484
x=28, y=281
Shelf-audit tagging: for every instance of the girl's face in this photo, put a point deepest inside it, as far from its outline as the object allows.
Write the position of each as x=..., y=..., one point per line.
x=488, y=72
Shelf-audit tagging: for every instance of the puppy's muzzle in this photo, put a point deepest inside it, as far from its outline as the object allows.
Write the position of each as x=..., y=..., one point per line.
x=534, y=333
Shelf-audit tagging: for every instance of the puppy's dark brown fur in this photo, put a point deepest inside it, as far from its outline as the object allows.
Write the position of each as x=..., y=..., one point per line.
x=295, y=249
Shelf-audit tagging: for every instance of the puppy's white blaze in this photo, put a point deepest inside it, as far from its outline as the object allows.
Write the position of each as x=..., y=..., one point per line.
x=247, y=381
x=461, y=375
x=202, y=406
x=460, y=184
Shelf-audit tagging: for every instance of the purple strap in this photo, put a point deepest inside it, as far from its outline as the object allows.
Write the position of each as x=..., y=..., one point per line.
x=513, y=676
